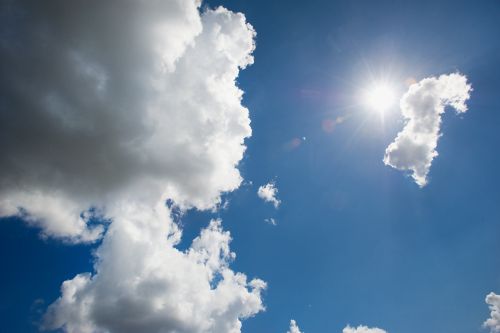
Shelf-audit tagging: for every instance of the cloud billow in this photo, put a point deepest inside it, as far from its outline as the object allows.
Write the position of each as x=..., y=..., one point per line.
x=105, y=101
x=142, y=283
x=493, y=323
x=108, y=109
x=422, y=106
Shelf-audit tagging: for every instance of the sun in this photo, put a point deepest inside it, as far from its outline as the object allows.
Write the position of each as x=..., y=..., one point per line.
x=379, y=97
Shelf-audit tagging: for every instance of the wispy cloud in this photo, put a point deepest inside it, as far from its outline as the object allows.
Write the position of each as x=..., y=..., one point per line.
x=271, y=221
x=422, y=106
x=294, y=328
x=362, y=329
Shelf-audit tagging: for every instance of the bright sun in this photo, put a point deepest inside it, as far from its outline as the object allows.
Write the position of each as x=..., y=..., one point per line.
x=379, y=97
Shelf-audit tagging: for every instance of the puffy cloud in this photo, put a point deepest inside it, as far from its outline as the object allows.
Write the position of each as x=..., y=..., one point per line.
x=108, y=109
x=293, y=327
x=493, y=323
x=362, y=329
x=142, y=283
x=269, y=193
x=108, y=101
x=422, y=105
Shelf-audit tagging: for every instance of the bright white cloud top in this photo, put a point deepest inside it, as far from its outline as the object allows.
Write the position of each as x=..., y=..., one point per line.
x=294, y=328
x=422, y=106
x=269, y=193
x=493, y=323
x=131, y=103
x=362, y=329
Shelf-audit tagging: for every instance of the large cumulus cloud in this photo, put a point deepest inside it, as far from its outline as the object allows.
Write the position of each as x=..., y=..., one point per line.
x=108, y=108
x=423, y=104
x=107, y=101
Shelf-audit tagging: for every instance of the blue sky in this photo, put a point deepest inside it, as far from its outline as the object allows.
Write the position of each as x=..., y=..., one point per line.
x=356, y=242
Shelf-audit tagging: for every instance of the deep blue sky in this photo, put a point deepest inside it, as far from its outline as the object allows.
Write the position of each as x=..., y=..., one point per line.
x=356, y=242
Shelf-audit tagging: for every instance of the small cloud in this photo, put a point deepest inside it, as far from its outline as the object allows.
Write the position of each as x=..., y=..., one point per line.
x=493, y=323
x=414, y=147
x=362, y=329
x=269, y=193
x=223, y=205
x=271, y=221
x=294, y=328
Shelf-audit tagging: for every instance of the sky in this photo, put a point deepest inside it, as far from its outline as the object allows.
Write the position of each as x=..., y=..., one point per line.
x=250, y=166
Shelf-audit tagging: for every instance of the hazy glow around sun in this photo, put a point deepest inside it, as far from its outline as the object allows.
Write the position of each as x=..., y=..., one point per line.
x=379, y=97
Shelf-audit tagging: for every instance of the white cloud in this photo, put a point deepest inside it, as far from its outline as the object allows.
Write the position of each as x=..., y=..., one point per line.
x=110, y=109
x=362, y=329
x=423, y=104
x=269, y=193
x=293, y=327
x=271, y=221
x=118, y=101
x=142, y=283
x=493, y=323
